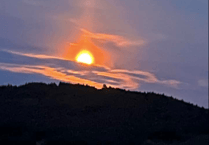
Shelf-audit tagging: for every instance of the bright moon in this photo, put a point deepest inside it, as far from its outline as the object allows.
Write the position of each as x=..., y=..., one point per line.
x=85, y=57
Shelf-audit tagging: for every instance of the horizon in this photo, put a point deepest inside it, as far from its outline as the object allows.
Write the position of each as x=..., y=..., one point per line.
x=59, y=84
x=144, y=46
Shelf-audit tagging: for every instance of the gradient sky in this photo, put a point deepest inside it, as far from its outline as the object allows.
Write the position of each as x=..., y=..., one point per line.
x=143, y=45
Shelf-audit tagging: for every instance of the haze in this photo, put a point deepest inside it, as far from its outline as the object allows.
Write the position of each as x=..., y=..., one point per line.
x=141, y=45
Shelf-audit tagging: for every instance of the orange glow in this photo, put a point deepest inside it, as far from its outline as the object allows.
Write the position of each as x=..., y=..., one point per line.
x=49, y=72
x=118, y=40
x=115, y=78
x=100, y=56
x=85, y=57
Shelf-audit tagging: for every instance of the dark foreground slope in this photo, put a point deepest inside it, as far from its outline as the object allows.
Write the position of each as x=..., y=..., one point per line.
x=75, y=114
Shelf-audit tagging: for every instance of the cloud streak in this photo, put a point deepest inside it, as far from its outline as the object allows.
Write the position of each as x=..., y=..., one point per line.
x=94, y=76
x=39, y=56
x=33, y=2
x=203, y=83
x=120, y=41
x=48, y=72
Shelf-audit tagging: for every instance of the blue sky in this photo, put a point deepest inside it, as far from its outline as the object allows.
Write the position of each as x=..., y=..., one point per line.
x=146, y=45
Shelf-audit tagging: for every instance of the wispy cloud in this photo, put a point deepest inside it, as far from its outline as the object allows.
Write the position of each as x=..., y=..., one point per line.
x=136, y=77
x=203, y=83
x=94, y=75
x=118, y=40
x=53, y=73
x=33, y=2
x=39, y=56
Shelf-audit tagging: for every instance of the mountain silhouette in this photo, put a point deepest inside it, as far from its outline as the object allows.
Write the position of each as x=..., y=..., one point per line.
x=38, y=113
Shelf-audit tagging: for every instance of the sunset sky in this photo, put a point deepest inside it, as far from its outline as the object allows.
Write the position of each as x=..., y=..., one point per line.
x=141, y=45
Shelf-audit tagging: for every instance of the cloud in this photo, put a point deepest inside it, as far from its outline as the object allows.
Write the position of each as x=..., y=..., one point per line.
x=89, y=4
x=33, y=2
x=118, y=40
x=40, y=56
x=203, y=83
x=73, y=72
x=141, y=76
x=173, y=51
x=47, y=71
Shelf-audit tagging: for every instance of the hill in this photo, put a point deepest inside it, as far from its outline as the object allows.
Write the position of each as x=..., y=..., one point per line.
x=78, y=114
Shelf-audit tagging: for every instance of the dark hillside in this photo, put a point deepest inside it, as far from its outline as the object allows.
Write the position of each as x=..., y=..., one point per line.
x=77, y=114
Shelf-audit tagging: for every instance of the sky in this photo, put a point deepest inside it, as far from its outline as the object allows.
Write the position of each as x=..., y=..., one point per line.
x=140, y=45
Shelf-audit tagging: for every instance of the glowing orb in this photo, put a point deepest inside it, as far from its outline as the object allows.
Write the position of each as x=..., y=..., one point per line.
x=85, y=57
